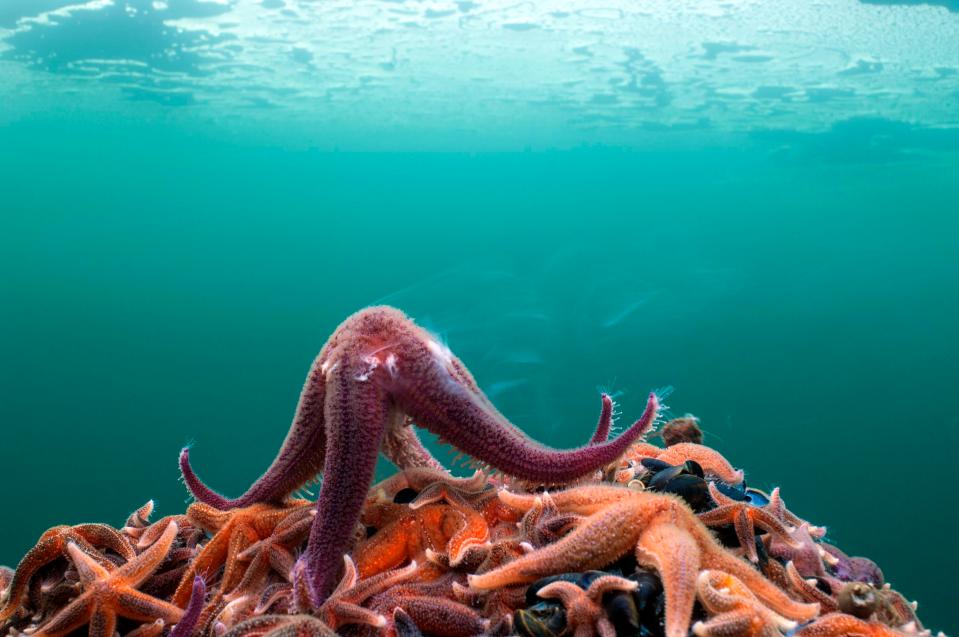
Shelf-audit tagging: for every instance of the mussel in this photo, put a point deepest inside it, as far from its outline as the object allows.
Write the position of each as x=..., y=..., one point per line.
x=686, y=480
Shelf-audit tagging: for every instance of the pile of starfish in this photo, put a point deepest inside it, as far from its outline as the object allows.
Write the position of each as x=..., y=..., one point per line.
x=617, y=537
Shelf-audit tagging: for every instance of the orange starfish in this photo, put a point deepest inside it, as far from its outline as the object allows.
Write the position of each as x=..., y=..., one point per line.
x=52, y=545
x=345, y=604
x=584, y=610
x=234, y=532
x=745, y=518
x=842, y=625
x=426, y=532
x=734, y=610
x=665, y=535
x=430, y=608
x=712, y=462
x=110, y=592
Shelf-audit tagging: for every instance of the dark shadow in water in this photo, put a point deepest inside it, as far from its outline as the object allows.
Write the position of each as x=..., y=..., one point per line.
x=861, y=140
x=127, y=41
x=952, y=5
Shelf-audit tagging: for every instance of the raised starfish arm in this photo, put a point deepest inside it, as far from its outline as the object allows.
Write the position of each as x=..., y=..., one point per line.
x=299, y=460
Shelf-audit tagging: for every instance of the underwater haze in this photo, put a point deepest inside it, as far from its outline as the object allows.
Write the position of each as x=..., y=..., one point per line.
x=755, y=202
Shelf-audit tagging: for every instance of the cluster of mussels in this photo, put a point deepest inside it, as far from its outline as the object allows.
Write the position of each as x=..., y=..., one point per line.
x=667, y=541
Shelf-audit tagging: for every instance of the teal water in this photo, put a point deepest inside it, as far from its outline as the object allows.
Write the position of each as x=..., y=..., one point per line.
x=172, y=260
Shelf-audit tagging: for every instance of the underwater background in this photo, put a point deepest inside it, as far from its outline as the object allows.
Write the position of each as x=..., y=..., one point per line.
x=755, y=203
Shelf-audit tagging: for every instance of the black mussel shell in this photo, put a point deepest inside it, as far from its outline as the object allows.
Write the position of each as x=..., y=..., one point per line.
x=405, y=496
x=543, y=619
x=621, y=610
x=640, y=612
x=686, y=481
x=653, y=466
x=692, y=489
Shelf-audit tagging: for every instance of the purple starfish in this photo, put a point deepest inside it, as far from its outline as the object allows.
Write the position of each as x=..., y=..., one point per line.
x=378, y=373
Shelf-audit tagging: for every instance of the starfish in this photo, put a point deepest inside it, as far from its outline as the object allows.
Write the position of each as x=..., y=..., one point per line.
x=544, y=523
x=52, y=545
x=377, y=373
x=234, y=532
x=281, y=626
x=712, y=462
x=111, y=592
x=842, y=625
x=734, y=610
x=584, y=609
x=437, y=532
x=430, y=608
x=663, y=531
x=745, y=517
x=345, y=605
x=191, y=615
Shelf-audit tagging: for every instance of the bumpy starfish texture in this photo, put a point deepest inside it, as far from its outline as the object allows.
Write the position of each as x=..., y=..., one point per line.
x=281, y=626
x=111, y=592
x=734, y=610
x=584, y=610
x=191, y=615
x=52, y=545
x=432, y=614
x=378, y=371
x=665, y=535
x=345, y=604
x=235, y=533
x=842, y=625
x=745, y=518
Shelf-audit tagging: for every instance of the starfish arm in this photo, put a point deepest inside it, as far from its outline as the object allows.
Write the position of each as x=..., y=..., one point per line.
x=404, y=625
x=403, y=447
x=600, y=540
x=473, y=533
x=138, y=570
x=153, y=629
x=439, y=616
x=187, y=623
x=258, y=625
x=770, y=594
x=103, y=623
x=462, y=418
x=88, y=568
x=584, y=500
x=605, y=421
x=133, y=604
x=720, y=498
x=607, y=583
x=105, y=536
x=809, y=591
x=746, y=533
x=709, y=459
x=565, y=592
x=842, y=625
x=205, y=564
x=734, y=623
x=49, y=548
x=281, y=561
x=676, y=557
x=75, y=615
x=300, y=458
x=356, y=414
